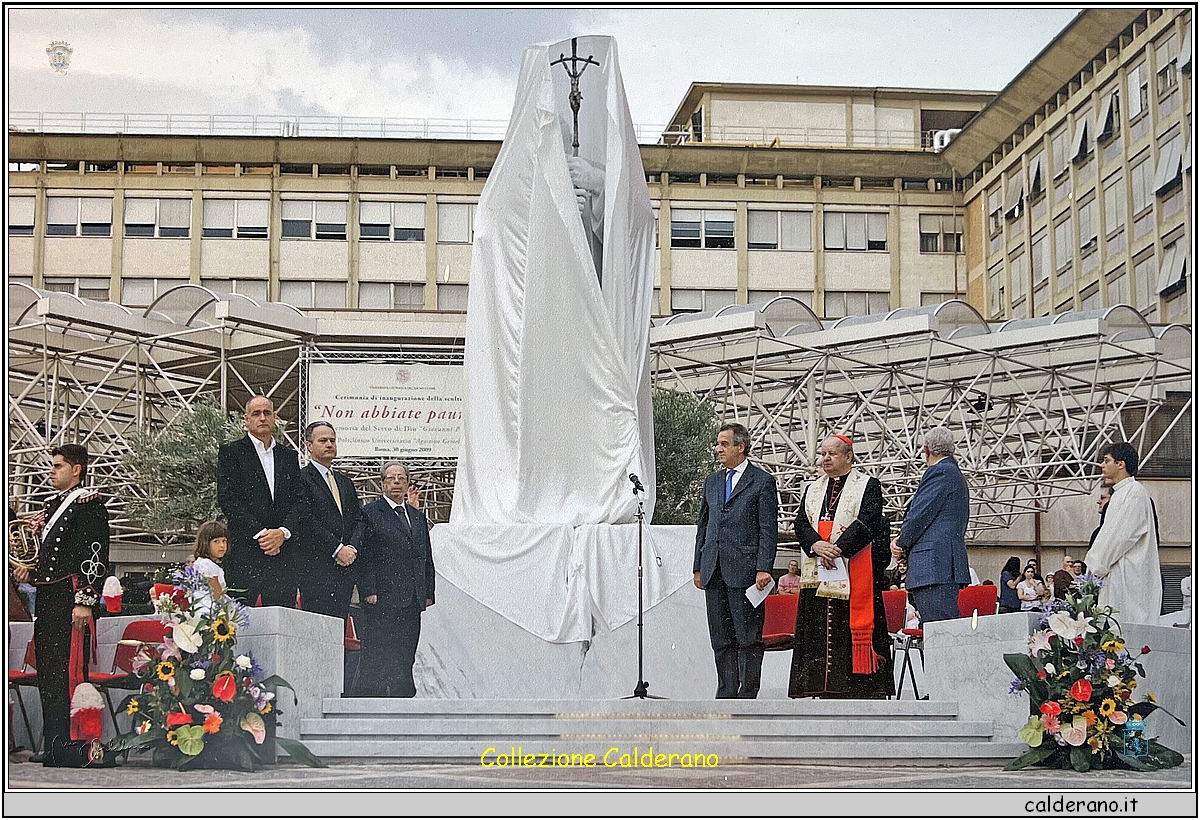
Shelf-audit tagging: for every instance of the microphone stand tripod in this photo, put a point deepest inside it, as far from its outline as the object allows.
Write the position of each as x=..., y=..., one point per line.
x=641, y=690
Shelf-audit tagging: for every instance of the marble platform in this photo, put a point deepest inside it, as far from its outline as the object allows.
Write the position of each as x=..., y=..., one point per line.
x=303, y=648
x=967, y=665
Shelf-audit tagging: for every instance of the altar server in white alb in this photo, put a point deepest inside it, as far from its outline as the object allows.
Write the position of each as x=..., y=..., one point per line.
x=1125, y=552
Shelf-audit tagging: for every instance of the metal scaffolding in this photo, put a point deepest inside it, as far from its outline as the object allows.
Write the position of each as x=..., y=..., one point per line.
x=1030, y=401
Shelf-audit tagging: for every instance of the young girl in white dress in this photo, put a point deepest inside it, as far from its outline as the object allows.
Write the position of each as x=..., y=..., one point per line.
x=212, y=544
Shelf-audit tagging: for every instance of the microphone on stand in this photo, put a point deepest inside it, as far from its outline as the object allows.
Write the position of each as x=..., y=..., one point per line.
x=637, y=483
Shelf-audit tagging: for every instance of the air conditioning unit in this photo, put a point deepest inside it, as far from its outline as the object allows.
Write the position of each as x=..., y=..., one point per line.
x=942, y=138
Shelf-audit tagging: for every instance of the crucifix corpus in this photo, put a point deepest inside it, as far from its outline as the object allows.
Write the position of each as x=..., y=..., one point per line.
x=574, y=71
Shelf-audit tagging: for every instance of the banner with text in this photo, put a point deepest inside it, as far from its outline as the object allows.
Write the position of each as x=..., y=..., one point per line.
x=389, y=410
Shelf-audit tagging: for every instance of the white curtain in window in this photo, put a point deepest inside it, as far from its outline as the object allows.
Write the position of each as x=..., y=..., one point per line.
x=218, y=213
x=374, y=296
x=762, y=227
x=254, y=213
x=687, y=299
x=454, y=222
x=835, y=231
x=174, y=213
x=408, y=215
x=330, y=295
x=796, y=233
x=95, y=210
x=856, y=303
x=856, y=232
x=297, y=209
x=930, y=223
x=140, y=211
x=877, y=227
x=20, y=210
x=331, y=213
x=375, y=213
x=296, y=294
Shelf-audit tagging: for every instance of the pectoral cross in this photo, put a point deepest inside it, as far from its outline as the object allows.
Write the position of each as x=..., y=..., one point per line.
x=574, y=71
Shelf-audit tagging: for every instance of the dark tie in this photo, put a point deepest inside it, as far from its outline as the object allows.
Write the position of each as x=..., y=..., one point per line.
x=728, y=484
x=402, y=514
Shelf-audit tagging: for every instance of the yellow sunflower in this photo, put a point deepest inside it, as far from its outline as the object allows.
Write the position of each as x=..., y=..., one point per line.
x=223, y=630
x=173, y=737
x=166, y=670
x=1112, y=646
x=132, y=707
x=266, y=708
x=1107, y=707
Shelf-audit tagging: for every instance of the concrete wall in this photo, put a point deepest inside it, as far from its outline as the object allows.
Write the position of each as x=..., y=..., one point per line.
x=391, y=262
x=781, y=270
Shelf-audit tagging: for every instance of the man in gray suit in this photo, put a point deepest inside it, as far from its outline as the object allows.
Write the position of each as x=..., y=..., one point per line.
x=933, y=535
x=735, y=549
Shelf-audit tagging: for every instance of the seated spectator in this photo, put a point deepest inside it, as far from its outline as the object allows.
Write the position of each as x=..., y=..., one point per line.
x=790, y=584
x=1029, y=591
x=1010, y=576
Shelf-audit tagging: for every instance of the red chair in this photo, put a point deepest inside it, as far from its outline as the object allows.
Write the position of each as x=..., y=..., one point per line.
x=894, y=605
x=351, y=642
x=779, y=621
x=25, y=676
x=135, y=635
x=983, y=598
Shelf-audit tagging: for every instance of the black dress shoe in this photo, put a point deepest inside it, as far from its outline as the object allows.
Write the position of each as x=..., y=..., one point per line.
x=40, y=757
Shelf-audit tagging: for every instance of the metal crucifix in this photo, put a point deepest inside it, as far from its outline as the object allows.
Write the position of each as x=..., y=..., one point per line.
x=574, y=71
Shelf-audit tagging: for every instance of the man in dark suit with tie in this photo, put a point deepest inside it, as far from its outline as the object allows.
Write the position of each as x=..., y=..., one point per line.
x=395, y=583
x=933, y=536
x=735, y=549
x=330, y=542
x=264, y=500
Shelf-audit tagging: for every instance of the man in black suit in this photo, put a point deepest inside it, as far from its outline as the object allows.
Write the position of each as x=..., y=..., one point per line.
x=395, y=583
x=735, y=549
x=264, y=500
x=330, y=541
x=71, y=566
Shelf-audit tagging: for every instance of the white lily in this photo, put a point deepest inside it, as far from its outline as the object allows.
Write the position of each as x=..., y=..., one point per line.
x=186, y=636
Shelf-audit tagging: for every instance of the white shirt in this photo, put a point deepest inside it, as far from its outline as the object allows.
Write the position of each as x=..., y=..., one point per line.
x=737, y=474
x=266, y=457
x=1125, y=555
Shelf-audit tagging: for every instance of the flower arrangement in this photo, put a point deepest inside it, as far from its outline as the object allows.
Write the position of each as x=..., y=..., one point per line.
x=201, y=704
x=1080, y=678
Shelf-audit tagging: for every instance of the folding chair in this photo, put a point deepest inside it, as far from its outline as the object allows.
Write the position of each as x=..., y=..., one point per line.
x=779, y=621
x=982, y=598
x=903, y=639
x=25, y=676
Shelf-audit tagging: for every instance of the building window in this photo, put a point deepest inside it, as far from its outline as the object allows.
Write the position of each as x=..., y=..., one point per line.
x=1058, y=152
x=701, y=229
x=1037, y=260
x=1172, y=271
x=452, y=297
x=940, y=233
x=240, y=218
x=1114, y=205
x=1081, y=141
x=855, y=231
x=1037, y=182
x=316, y=295
x=695, y=301
x=995, y=211
x=95, y=288
x=1168, y=74
x=779, y=230
x=1169, y=172
x=78, y=216
x=1089, y=297
x=1015, y=199
x=391, y=296
x=995, y=280
x=761, y=297
x=163, y=218
x=1019, y=269
x=930, y=298
x=855, y=303
x=1110, y=116
x=255, y=289
x=454, y=226
x=1117, y=283
x=1062, y=244
x=396, y=221
x=1088, y=225
x=319, y=219
x=20, y=215
x=1139, y=95
x=1143, y=186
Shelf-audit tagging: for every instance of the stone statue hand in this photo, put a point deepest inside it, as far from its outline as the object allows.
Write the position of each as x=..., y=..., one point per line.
x=587, y=180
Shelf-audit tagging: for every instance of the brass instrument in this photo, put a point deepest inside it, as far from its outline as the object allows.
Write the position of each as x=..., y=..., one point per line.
x=23, y=544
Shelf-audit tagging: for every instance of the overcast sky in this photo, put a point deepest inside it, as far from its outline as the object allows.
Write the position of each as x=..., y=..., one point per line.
x=463, y=63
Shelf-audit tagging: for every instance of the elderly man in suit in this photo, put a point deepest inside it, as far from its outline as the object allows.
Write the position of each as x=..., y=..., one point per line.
x=330, y=543
x=735, y=549
x=933, y=535
x=395, y=583
x=263, y=497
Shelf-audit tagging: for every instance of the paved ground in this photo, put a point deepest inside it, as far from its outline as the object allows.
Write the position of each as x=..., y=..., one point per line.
x=846, y=787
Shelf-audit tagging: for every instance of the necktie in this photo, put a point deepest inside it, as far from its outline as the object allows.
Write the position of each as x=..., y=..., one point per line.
x=728, y=484
x=337, y=498
x=402, y=514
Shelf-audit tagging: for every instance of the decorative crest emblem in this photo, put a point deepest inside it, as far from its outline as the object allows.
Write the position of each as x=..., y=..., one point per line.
x=403, y=375
x=60, y=55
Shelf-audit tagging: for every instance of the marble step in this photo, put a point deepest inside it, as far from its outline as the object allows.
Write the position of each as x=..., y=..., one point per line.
x=534, y=727
x=845, y=752
x=802, y=709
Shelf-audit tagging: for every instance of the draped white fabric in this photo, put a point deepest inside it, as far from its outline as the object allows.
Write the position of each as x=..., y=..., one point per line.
x=557, y=410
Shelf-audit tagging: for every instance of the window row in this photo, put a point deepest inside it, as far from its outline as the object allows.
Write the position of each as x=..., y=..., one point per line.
x=779, y=230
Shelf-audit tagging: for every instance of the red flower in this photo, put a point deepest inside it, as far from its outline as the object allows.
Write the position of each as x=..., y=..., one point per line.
x=1081, y=690
x=1079, y=641
x=212, y=723
x=225, y=687
x=178, y=719
x=1051, y=708
x=1042, y=674
x=1145, y=650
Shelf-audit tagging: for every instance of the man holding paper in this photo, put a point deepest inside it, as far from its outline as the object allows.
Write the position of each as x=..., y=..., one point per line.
x=841, y=645
x=735, y=550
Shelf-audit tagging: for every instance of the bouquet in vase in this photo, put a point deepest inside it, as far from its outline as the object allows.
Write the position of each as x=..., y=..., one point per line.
x=202, y=704
x=1081, y=678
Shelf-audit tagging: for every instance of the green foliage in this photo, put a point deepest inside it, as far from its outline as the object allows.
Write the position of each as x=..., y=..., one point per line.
x=684, y=431
x=176, y=470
